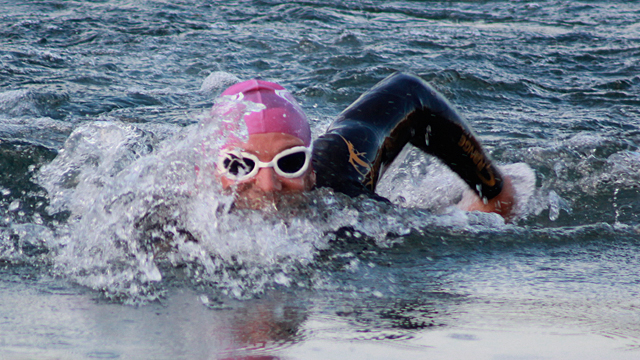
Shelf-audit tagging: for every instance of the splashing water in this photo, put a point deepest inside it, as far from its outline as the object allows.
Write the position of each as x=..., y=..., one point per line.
x=416, y=180
x=133, y=200
x=141, y=207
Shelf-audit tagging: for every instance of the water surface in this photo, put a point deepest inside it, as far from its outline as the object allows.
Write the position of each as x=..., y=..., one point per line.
x=112, y=245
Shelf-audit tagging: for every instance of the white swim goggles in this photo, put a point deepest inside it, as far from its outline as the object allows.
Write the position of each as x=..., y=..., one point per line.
x=239, y=165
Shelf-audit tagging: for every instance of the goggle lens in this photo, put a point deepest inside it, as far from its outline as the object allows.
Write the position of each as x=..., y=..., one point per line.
x=289, y=163
x=238, y=166
x=292, y=163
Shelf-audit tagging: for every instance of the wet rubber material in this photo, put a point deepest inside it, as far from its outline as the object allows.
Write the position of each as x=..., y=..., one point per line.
x=367, y=136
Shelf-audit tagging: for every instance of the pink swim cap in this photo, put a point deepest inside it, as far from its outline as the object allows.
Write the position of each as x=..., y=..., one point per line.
x=282, y=113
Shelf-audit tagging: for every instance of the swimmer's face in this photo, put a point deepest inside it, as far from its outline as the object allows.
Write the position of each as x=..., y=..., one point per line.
x=266, y=188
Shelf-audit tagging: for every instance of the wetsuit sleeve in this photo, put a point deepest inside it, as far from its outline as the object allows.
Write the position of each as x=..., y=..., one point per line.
x=367, y=136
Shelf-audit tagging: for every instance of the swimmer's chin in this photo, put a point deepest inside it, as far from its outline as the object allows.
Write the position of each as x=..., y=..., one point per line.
x=260, y=203
x=269, y=202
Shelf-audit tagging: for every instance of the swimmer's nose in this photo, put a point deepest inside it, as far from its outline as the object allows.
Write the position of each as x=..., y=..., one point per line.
x=268, y=181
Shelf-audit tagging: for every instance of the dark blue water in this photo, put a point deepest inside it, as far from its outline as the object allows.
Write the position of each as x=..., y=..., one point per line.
x=111, y=246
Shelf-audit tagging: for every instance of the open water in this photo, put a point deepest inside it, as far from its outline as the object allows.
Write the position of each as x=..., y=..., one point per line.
x=112, y=245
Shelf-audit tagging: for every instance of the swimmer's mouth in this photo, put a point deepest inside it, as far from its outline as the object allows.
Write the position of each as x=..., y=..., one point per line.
x=268, y=202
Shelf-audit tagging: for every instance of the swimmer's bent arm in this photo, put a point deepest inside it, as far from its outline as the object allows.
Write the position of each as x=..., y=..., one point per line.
x=367, y=136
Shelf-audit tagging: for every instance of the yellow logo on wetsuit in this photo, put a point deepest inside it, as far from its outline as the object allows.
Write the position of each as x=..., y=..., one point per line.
x=476, y=156
x=357, y=159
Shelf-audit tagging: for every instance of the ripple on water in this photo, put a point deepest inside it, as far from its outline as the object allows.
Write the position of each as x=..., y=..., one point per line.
x=550, y=87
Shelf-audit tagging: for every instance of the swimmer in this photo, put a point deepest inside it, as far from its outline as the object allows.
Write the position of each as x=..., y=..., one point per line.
x=279, y=158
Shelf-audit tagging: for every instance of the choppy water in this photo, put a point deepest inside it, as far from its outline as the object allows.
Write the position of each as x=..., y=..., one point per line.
x=113, y=246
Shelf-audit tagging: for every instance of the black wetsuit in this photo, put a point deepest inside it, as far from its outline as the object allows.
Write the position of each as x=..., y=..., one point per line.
x=402, y=109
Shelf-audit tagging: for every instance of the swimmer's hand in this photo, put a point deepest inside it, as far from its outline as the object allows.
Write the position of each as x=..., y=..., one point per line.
x=503, y=204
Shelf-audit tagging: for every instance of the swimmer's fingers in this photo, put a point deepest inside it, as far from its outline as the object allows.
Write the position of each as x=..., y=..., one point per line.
x=503, y=204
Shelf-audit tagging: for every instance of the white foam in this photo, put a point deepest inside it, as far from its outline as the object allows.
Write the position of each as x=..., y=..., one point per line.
x=217, y=81
x=416, y=180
